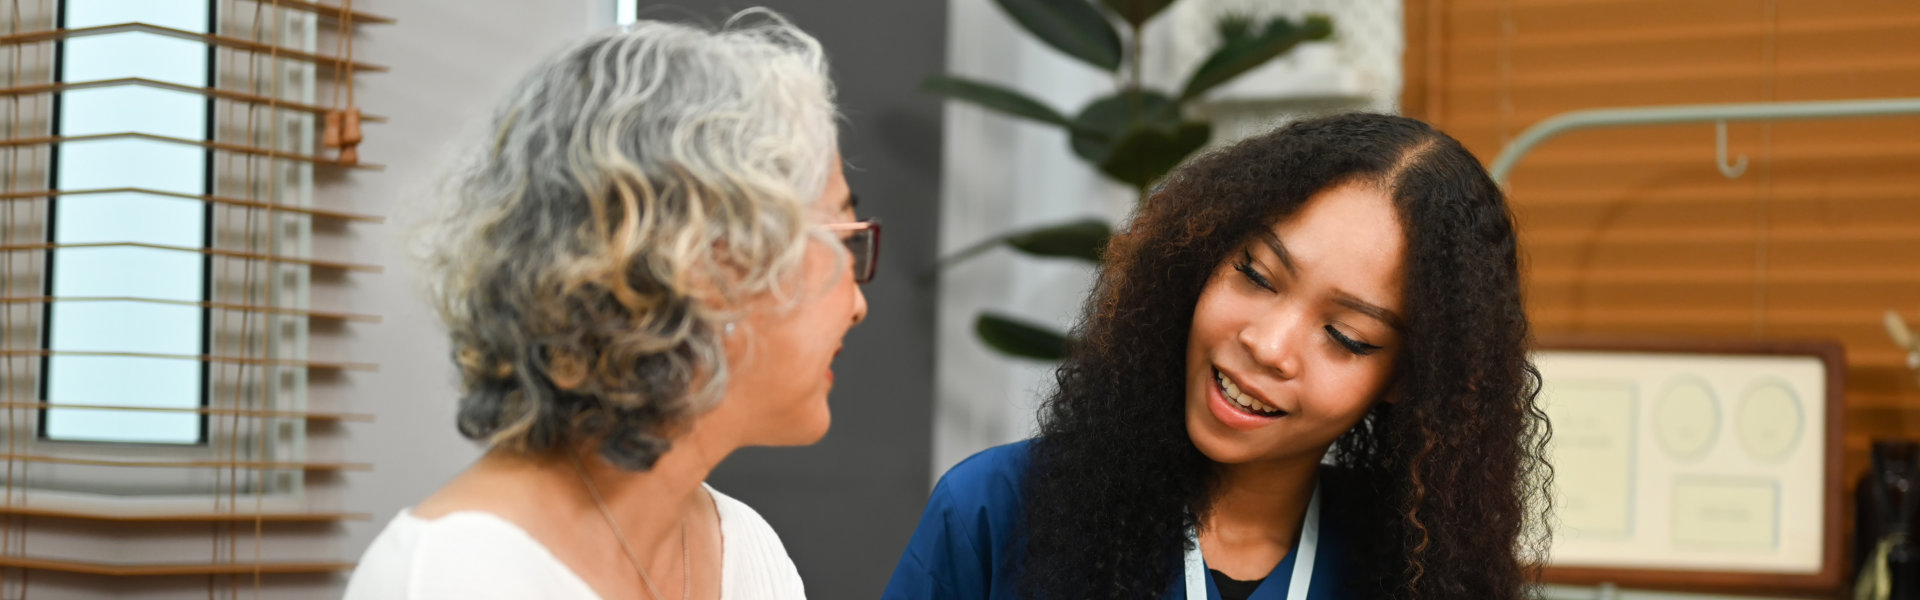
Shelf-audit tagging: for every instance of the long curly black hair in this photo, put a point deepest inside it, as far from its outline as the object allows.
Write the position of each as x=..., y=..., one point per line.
x=1442, y=480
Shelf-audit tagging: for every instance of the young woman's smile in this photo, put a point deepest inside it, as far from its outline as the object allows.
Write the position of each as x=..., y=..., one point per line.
x=1238, y=407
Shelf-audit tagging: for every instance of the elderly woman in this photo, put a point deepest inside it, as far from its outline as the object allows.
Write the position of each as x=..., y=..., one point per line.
x=650, y=263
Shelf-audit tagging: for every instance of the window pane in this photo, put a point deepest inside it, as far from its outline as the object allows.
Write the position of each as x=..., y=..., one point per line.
x=135, y=109
x=116, y=163
x=190, y=15
x=135, y=54
x=134, y=382
x=129, y=327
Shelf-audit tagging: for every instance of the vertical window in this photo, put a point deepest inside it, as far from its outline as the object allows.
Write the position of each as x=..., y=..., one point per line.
x=136, y=340
x=625, y=12
x=155, y=315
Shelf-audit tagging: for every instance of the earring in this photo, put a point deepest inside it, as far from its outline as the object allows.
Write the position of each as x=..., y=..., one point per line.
x=728, y=328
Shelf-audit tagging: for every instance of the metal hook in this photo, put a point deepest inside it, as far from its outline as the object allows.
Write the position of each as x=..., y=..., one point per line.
x=1730, y=170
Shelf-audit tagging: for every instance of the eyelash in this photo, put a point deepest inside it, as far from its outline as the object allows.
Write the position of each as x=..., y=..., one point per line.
x=1352, y=345
x=1245, y=267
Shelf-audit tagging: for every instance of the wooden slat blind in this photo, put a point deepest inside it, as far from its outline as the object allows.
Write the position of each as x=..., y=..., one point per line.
x=255, y=502
x=1635, y=231
x=331, y=62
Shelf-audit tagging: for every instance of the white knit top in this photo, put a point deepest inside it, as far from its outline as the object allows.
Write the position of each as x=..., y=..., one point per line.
x=473, y=555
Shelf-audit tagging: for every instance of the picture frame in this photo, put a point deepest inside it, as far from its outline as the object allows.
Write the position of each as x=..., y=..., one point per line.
x=1683, y=477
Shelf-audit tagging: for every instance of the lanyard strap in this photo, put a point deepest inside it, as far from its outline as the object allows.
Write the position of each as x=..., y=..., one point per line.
x=1302, y=575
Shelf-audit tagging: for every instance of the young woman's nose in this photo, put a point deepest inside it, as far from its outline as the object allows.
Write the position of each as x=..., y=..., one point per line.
x=1275, y=338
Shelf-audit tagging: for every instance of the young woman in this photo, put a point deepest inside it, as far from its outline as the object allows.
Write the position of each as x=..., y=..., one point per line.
x=1303, y=374
x=650, y=262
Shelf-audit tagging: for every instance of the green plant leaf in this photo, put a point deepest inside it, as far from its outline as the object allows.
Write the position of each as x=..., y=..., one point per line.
x=1071, y=26
x=1146, y=155
x=1080, y=239
x=1020, y=338
x=1235, y=27
x=1110, y=118
x=1137, y=12
x=993, y=97
x=1235, y=58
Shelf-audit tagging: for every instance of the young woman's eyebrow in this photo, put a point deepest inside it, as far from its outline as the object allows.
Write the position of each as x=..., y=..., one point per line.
x=1354, y=303
x=1280, y=250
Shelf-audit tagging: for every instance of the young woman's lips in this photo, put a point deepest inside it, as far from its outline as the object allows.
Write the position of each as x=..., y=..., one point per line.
x=1231, y=414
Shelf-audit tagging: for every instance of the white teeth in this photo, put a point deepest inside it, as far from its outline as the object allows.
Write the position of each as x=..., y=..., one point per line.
x=1232, y=392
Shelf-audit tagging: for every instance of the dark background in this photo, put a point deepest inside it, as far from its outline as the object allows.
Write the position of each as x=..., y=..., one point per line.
x=846, y=506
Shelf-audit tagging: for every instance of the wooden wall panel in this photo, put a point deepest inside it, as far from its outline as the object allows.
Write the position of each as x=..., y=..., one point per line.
x=1634, y=230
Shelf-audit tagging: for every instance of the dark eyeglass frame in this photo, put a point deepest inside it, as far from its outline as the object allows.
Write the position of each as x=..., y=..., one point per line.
x=866, y=263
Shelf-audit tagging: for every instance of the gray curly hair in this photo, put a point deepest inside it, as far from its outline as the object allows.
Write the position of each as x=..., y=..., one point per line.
x=634, y=187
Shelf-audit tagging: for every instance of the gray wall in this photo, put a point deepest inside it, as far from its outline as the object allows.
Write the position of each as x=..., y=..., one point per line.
x=846, y=506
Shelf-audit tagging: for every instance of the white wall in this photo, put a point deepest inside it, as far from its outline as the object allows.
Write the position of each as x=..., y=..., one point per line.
x=1001, y=173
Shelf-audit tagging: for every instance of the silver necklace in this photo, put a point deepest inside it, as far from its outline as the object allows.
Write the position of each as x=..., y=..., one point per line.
x=686, y=557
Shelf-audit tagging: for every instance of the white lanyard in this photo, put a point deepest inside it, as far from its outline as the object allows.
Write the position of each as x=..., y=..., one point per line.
x=1302, y=562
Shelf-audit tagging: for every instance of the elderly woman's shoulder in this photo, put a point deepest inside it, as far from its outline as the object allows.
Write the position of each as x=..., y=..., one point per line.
x=467, y=554
x=754, y=562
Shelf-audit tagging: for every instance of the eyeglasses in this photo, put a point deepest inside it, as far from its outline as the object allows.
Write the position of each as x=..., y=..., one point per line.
x=863, y=241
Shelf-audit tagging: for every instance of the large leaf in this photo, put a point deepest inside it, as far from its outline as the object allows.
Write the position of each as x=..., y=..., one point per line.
x=1238, y=55
x=1071, y=26
x=994, y=97
x=1146, y=155
x=1137, y=12
x=1235, y=28
x=1080, y=239
x=1020, y=338
x=1108, y=119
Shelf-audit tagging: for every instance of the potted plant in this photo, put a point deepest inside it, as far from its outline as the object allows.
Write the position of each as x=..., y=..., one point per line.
x=1134, y=135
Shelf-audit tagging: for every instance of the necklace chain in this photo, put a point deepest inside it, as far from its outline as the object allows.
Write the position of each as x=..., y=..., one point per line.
x=686, y=557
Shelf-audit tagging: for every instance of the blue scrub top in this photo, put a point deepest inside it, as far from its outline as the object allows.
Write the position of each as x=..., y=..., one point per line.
x=967, y=546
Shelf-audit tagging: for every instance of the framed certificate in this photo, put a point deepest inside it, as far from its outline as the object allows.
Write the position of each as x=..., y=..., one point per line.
x=1695, y=465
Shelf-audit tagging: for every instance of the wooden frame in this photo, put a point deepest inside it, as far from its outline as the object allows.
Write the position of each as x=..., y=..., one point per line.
x=253, y=256
x=316, y=315
x=328, y=10
x=210, y=358
x=186, y=517
x=244, y=45
x=1834, y=569
x=152, y=570
x=201, y=410
x=269, y=207
x=259, y=465
x=210, y=92
x=216, y=146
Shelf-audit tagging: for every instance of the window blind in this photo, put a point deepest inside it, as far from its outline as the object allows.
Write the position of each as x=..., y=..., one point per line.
x=1635, y=231
x=157, y=271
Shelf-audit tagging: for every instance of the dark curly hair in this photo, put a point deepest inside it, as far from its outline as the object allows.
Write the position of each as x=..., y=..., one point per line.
x=1441, y=481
